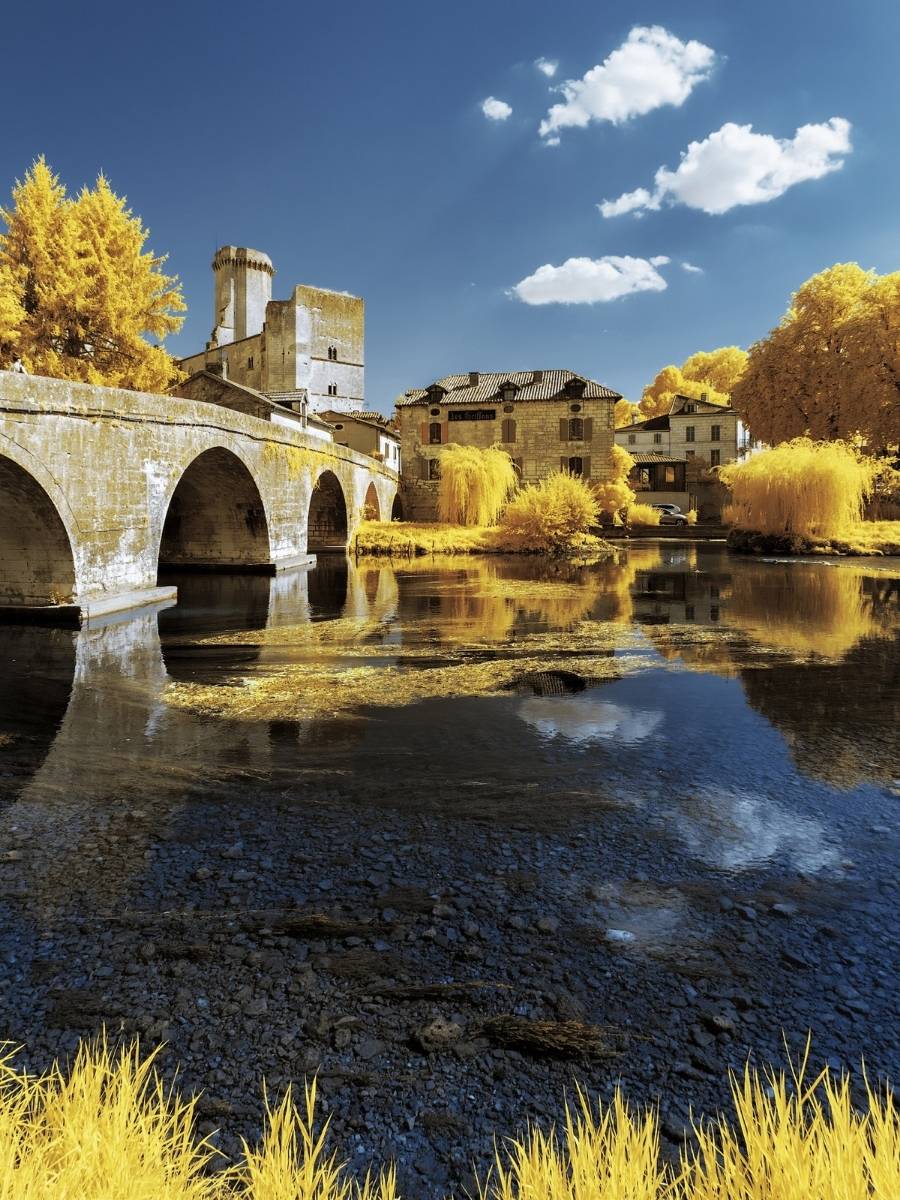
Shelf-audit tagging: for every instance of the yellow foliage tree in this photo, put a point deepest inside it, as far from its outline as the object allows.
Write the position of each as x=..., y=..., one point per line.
x=831, y=368
x=709, y=373
x=814, y=489
x=717, y=369
x=79, y=294
x=626, y=413
x=474, y=484
x=614, y=496
x=671, y=382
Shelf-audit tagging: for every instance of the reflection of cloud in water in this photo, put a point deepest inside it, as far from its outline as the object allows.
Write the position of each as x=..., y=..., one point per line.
x=739, y=830
x=583, y=719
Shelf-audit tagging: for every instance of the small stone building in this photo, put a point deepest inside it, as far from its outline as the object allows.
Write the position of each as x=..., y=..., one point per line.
x=311, y=345
x=546, y=420
x=368, y=432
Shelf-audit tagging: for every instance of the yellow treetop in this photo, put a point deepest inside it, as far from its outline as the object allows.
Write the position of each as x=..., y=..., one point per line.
x=626, y=413
x=831, y=368
x=669, y=383
x=79, y=294
x=718, y=369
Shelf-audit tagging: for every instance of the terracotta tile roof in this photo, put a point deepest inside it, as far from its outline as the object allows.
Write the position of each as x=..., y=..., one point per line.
x=644, y=458
x=360, y=414
x=530, y=385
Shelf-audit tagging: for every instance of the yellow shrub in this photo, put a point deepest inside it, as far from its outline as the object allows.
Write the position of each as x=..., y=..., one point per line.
x=691, y=515
x=643, y=514
x=614, y=496
x=548, y=515
x=814, y=489
x=474, y=484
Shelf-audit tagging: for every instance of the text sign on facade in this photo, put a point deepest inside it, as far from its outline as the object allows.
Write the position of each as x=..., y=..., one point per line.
x=472, y=414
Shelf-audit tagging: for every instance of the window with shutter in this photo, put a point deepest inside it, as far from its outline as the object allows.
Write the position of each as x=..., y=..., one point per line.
x=588, y=428
x=586, y=467
x=576, y=466
x=563, y=429
x=508, y=430
x=434, y=433
x=576, y=429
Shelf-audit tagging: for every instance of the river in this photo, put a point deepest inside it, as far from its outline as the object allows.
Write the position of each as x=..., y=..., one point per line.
x=658, y=796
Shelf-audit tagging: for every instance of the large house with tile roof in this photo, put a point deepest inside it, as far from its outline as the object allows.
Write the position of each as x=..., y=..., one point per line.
x=547, y=420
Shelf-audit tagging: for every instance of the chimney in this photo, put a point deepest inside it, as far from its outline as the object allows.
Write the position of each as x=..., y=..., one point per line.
x=473, y=378
x=704, y=397
x=537, y=377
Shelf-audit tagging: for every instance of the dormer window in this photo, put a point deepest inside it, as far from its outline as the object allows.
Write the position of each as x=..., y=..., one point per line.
x=508, y=393
x=575, y=388
x=689, y=408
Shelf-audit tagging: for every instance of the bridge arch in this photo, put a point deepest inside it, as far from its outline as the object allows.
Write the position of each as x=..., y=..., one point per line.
x=371, y=509
x=327, y=524
x=215, y=516
x=37, y=563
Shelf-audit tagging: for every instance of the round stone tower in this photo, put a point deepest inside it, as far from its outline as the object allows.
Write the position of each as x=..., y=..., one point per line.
x=243, y=289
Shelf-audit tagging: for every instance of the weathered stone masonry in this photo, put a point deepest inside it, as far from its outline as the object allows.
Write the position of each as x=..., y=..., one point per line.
x=98, y=485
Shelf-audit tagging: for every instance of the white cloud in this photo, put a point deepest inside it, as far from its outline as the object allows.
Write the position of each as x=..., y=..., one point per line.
x=547, y=66
x=497, y=110
x=651, y=68
x=587, y=720
x=736, y=166
x=591, y=280
x=639, y=200
x=686, y=266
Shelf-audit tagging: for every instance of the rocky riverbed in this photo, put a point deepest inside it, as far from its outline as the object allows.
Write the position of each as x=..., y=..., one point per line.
x=453, y=909
x=377, y=949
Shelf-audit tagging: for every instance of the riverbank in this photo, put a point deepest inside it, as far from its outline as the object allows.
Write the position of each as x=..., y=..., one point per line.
x=867, y=538
x=409, y=539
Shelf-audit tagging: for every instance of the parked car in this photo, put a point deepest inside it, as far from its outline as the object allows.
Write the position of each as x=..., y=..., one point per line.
x=670, y=514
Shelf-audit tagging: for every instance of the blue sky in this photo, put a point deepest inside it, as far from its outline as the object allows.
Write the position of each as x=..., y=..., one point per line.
x=349, y=142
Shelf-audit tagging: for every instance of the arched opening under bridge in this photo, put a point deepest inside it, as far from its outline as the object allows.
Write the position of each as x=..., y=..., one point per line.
x=371, y=507
x=327, y=520
x=37, y=566
x=216, y=518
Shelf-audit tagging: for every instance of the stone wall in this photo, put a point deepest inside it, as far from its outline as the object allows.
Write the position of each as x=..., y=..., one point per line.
x=89, y=475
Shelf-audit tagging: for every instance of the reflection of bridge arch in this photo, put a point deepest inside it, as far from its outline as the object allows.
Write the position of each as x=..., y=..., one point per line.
x=37, y=564
x=327, y=525
x=215, y=516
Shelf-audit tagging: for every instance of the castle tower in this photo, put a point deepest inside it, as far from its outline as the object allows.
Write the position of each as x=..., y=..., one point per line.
x=243, y=289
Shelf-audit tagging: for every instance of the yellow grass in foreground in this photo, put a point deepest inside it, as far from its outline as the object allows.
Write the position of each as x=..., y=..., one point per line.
x=108, y=1129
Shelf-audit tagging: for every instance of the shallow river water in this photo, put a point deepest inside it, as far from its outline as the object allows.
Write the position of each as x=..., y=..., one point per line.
x=658, y=795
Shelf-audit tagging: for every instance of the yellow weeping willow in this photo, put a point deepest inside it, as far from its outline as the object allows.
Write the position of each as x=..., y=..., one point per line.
x=813, y=489
x=109, y=1127
x=474, y=484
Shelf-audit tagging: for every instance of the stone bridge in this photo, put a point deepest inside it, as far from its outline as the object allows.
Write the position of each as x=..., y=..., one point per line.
x=100, y=488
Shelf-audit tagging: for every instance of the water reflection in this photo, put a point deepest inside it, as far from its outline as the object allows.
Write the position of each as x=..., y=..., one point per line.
x=385, y=675
x=587, y=720
x=734, y=830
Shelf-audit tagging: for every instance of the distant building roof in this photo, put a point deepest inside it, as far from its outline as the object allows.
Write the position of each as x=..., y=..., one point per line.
x=645, y=458
x=702, y=408
x=361, y=414
x=479, y=387
x=650, y=423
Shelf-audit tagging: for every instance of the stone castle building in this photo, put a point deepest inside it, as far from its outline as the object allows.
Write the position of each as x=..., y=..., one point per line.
x=307, y=351
x=546, y=420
